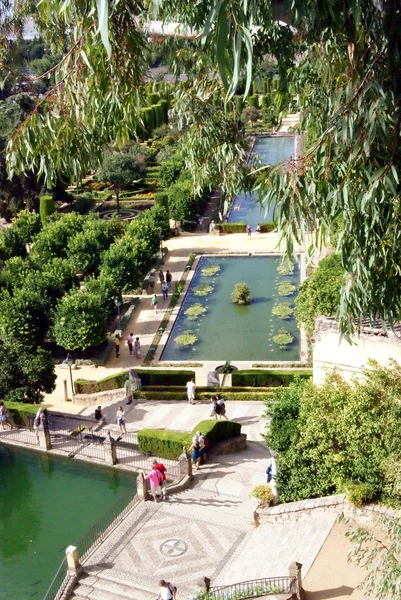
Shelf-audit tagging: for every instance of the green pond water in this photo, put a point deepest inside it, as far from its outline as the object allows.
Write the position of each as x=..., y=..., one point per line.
x=46, y=504
x=227, y=331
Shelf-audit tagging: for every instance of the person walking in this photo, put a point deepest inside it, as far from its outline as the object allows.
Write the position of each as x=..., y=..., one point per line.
x=163, y=483
x=128, y=389
x=137, y=348
x=155, y=302
x=165, y=290
x=169, y=277
x=249, y=231
x=221, y=402
x=117, y=345
x=191, y=390
x=155, y=479
x=161, y=276
x=37, y=421
x=121, y=419
x=167, y=591
x=130, y=340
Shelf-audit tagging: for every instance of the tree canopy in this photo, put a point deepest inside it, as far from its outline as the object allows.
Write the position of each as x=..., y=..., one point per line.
x=342, y=59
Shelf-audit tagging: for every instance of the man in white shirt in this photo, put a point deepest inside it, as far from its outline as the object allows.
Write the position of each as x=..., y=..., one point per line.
x=166, y=591
x=191, y=389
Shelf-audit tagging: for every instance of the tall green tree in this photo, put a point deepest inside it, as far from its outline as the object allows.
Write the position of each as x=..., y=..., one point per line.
x=121, y=169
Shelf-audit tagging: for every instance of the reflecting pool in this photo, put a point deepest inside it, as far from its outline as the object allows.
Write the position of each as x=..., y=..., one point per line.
x=226, y=331
x=271, y=151
x=46, y=504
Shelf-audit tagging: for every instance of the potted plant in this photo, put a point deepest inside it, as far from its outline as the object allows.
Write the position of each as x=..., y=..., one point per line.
x=262, y=494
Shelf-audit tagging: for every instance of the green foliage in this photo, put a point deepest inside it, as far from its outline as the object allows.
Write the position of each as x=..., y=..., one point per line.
x=23, y=317
x=187, y=338
x=283, y=339
x=358, y=493
x=86, y=247
x=286, y=268
x=83, y=203
x=285, y=288
x=210, y=270
x=268, y=377
x=121, y=169
x=262, y=492
x=148, y=377
x=161, y=201
x=26, y=373
x=182, y=201
x=203, y=289
x=250, y=113
x=14, y=272
x=52, y=241
x=195, y=311
x=27, y=225
x=320, y=294
x=80, y=321
x=241, y=294
x=169, y=444
x=378, y=550
x=343, y=435
x=239, y=227
x=284, y=310
x=170, y=171
x=47, y=207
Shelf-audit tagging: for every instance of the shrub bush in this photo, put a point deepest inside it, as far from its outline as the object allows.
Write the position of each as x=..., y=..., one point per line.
x=169, y=444
x=46, y=207
x=241, y=294
x=263, y=493
x=21, y=414
x=226, y=227
x=83, y=203
x=148, y=377
x=359, y=493
x=268, y=378
x=249, y=396
x=267, y=226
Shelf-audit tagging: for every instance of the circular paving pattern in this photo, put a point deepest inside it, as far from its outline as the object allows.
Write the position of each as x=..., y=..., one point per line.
x=126, y=214
x=173, y=548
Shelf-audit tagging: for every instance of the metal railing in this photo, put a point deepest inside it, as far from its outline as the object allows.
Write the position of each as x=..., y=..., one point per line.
x=92, y=538
x=251, y=589
x=101, y=529
x=79, y=440
x=19, y=434
x=59, y=583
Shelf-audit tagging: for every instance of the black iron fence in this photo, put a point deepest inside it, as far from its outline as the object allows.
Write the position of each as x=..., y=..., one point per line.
x=250, y=589
x=59, y=583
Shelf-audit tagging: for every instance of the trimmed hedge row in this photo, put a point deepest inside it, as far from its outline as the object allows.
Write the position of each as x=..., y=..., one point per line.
x=148, y=377
x=239, y=227
x=144, y=394
x=268, y=378
x=21, y=413
x=169, y=444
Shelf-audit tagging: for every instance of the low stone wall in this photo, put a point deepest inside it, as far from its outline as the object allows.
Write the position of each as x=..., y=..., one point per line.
x=234, y=444
x=296, y=511
x=99, y=397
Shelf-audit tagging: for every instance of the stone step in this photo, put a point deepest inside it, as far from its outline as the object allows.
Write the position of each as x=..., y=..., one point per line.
x=108, y=582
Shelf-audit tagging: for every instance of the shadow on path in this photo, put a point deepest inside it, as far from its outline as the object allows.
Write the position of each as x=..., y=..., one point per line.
x=344, y=590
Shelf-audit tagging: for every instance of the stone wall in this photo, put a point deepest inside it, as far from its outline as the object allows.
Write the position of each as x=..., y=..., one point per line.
x=330, y=351
x=99, y=397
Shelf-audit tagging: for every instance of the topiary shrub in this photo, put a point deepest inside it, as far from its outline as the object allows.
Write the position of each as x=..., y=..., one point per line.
x=263, y=493
x=285, y=288
x=286, y=268
x=203, y=289
x=148, y=377
x=210, y=270
x=194, y=311
x=241, y=294
x=283, y=339
x=186, y=339
x=161, y=200
x=283, y=310
x=46, y=207
x=268, y=377
x=239, y=227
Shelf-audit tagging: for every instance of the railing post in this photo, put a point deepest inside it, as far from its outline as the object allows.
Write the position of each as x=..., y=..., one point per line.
x=141, y=486
x=110, y=450
x=44, y=438
x=295, y=572
x=73, y=563
x=185, y=463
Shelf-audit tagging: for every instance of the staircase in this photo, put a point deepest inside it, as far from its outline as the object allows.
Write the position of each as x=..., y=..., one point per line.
x=105, y=586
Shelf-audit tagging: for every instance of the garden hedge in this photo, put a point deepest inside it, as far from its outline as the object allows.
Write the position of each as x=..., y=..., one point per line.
x=21, y=413
x=169, y=444
x=146, y=394
x=267, y=226
x=239, y=227
x=148, y=377
x=46, y=207
x=268, y=378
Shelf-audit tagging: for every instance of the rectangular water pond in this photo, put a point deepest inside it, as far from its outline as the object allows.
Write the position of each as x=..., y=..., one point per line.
x=226, y=331
x=246, y=207
x=46, y=504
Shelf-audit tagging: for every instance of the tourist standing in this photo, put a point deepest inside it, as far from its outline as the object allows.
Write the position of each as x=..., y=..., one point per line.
x=169, y=277
x=121, y=419
x=117, y=345
x=98, y=413
x=191, y=389
x=130, y=339
x=155, y=302
x=36, y=422
x=128, y=389
x=258, y=228
x=249, y=231
x=196, y=453
x=165, y=290
x=163, y=483
x=137, y=348
x=155, y=478
x=167, y=591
